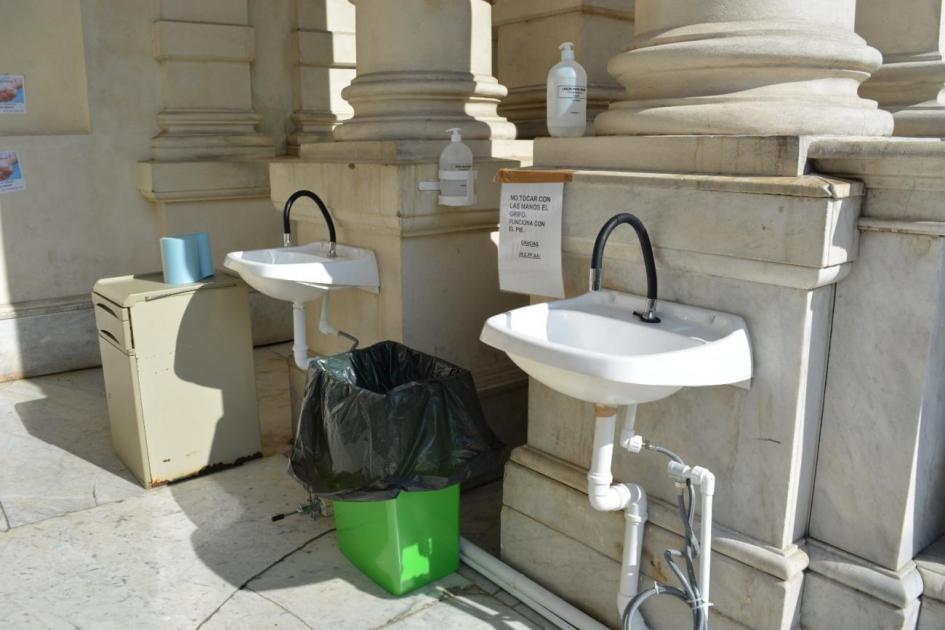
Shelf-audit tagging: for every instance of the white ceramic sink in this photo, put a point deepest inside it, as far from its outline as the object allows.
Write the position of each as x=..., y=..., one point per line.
x=303, y=273
x=593, y=348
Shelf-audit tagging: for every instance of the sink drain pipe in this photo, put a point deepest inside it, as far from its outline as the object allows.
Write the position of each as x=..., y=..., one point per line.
x=606, y=496
x=300, y=334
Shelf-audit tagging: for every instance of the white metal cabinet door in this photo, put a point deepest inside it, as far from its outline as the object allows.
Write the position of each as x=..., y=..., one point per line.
x=124, y=409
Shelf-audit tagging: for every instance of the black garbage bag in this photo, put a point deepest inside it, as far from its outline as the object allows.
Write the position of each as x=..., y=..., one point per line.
x=387, y=418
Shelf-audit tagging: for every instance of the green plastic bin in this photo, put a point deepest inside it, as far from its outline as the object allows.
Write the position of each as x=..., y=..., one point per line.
x=405, y=542
x=402, y=543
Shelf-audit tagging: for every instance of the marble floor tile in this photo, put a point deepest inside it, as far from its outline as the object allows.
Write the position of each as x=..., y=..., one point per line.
x=55, y=446
x=83, y=545
x=55, y=440
x=166, y=559
x=247, y=610
x=467, y=610
x=320, y=586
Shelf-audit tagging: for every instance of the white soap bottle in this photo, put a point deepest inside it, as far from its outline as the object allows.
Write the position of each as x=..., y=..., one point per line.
x=567, y=96
x=457, y=177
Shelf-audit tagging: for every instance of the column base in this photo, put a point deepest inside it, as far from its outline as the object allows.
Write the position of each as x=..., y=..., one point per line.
x=931, y=565
x=912, y=87
x=525, y=107
x=423, y=105
x=776, y=156
x=843, y=592
x=311, y=127
x=787, y=75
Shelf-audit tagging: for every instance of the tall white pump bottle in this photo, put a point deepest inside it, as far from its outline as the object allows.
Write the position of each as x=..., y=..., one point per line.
x=457, y=177
x=567, y=96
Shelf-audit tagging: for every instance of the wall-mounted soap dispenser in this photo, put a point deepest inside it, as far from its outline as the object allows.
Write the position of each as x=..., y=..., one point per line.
x=457, y=176
x=567, y=96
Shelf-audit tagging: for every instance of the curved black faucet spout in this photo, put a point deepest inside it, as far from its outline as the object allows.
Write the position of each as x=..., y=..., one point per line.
x=597, y=261
x=287, y=226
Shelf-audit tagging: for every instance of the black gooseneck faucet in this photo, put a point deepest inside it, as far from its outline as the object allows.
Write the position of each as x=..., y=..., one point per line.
x=597, y=261
x=287, y=226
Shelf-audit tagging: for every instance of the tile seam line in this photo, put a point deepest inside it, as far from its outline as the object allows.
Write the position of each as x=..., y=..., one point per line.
x=278, y=605
x=4, y=519
x=446, y=596
x=260, y=574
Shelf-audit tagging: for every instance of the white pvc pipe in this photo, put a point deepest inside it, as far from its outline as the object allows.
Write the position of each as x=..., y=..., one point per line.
x=299, y=336
x=705, y=534
x=635, y=515
x=603, y=494
x=628, y=429
x=606, y=496
x=323, y=326
x=541, y=600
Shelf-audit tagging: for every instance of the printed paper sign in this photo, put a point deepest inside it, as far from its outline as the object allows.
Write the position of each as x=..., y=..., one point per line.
x=12, y=94
x=530, y=239
x=11, y=177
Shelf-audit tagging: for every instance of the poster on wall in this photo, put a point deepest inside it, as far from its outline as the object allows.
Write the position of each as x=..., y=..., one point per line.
x=12, y=94
x=11, y=177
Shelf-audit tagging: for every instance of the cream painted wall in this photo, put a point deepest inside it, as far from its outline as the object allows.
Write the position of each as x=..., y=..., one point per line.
x=81, y=217
x=95, y=96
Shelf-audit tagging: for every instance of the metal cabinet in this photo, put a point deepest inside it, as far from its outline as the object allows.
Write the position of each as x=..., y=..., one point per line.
x=178, y=366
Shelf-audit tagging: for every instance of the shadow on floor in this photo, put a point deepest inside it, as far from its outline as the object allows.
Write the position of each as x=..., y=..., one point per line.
x=71, y=414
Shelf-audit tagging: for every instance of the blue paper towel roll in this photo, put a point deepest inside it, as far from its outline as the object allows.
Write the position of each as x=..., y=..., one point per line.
x=204, y=257
x=180, y=259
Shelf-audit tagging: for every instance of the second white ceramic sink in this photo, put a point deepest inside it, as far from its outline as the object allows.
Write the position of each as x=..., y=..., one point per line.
x=303, y=273
x=595, y=349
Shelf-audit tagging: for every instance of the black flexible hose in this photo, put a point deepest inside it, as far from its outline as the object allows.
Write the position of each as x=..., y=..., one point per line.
x=642, y=596
x=287, y=210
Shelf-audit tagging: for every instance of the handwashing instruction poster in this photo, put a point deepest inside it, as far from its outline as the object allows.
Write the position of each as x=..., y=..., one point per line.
x=530, y=239
x=12, y=94
x=11, y=177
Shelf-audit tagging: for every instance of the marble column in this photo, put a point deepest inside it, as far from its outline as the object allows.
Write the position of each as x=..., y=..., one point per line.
x=752, y=67
x=911, y=81
x=325, y=48
x=529, y=33
x=413, y=85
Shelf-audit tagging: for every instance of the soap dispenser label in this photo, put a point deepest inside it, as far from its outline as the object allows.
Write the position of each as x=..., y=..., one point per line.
x=530, y=239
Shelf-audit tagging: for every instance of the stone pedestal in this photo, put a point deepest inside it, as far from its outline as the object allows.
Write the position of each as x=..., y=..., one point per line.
x=768, y=248
x=756, y=67
x=881, y=463
x=911, y=81
x=931, y=564
x=325, y=49
x=438, y=273
x=437, y=264
x=529, y=33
